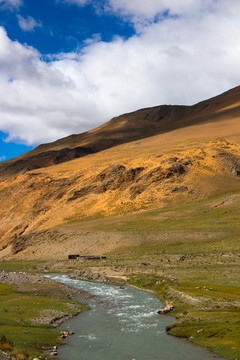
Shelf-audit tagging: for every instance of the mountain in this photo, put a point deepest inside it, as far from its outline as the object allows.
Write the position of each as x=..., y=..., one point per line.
x=137, y=125
x=150, y=159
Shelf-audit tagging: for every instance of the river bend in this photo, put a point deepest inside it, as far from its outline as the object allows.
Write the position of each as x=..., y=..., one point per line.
x=123, y=324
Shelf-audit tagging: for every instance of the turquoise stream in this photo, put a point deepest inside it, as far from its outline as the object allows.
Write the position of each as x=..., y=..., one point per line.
x=122, y=324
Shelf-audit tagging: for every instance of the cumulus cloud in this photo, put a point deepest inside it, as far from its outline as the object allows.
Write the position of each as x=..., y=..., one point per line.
x=2, y=158
x=10, y=4
x=28, y=24
x=178, y=60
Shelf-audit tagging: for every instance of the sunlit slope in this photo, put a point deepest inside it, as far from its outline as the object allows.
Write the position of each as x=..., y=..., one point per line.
x=192, y=162
x=148, y=174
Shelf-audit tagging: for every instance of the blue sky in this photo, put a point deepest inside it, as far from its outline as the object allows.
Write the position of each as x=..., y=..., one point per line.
x=62, y=27
x=67, y=66
x=56, y=28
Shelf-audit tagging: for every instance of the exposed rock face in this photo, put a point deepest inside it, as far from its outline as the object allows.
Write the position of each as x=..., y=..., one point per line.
x=160, y=173
x=118, y=177
x=112, y=178
x=228, y=162
x=179, y=189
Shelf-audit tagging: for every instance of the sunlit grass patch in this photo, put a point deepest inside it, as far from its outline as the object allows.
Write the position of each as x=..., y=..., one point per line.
x=19, y=265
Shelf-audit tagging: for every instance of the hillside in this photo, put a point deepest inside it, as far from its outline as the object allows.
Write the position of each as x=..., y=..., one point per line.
x=150, y=159
x=126, y=128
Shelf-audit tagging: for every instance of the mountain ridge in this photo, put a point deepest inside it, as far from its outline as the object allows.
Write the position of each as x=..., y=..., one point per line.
x=125, y=128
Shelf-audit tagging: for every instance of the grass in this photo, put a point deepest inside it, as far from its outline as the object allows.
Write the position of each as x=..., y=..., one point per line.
x=19, y=306
x=217, y=328
x=20, y=265
x=195, y=216
x=212, y=219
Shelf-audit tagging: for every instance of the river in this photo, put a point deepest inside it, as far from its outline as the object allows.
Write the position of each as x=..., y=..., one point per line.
x=122, y=324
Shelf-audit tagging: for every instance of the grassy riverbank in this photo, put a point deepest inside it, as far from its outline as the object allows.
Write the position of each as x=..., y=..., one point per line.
x=207, y=312
x=29, y=311
x=190, y=256
x=200, y=319
x=194, y=264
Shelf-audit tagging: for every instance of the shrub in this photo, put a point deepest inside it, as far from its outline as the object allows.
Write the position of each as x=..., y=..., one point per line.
x=4, y=343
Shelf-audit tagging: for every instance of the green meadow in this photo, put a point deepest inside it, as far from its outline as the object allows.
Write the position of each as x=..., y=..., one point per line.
x=19, y=306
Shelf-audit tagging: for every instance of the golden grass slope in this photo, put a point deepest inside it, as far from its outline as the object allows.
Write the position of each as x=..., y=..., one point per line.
x=128, y=182
x=195, y=160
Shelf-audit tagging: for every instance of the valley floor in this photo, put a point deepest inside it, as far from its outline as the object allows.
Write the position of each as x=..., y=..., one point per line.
x=188, y=255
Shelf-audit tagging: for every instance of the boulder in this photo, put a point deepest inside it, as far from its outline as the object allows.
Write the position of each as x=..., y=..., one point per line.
x=166, y=310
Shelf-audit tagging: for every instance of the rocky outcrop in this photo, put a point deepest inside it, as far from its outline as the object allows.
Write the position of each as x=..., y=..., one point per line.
x=166, y=309
x=117, y=177
x=111, y=178
x=228, y=162
x=54, y=317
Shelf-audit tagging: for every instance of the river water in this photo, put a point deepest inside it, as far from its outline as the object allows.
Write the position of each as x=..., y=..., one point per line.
x=122, y=324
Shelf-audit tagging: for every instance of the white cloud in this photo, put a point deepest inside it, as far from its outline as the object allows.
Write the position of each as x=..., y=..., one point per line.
x=28, y=24
x=149, y=9
x=2, y=158
x=76, y=2
x=179, y=60
x=10, y=4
